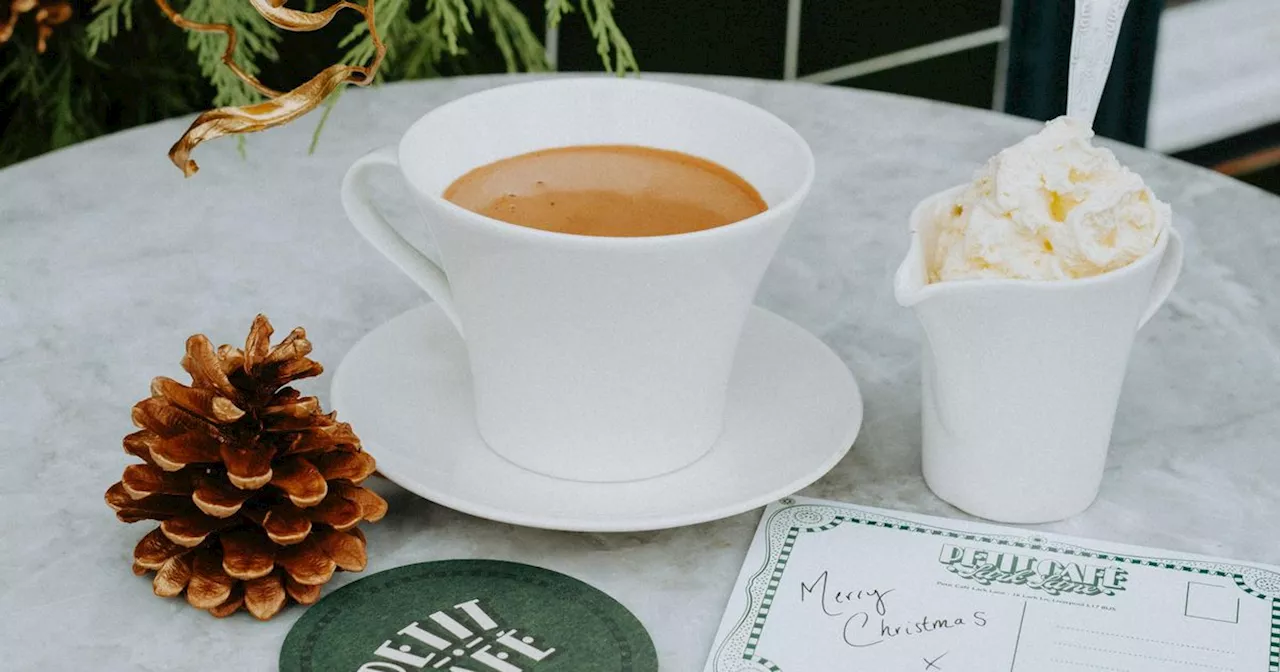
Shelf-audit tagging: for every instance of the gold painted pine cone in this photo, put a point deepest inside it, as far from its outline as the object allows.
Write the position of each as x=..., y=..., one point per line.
x=257, y=491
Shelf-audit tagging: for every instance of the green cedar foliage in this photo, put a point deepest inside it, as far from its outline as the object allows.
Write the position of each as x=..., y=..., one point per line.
x=120, y=63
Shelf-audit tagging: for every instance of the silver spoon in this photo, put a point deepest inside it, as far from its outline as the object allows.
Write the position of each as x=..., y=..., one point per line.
x=1093, y=46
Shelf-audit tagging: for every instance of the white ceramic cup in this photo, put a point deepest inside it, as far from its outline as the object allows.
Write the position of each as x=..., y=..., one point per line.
x=592, y=358
x=1021, y=377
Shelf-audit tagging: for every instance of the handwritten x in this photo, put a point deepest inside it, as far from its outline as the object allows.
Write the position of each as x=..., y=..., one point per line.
x=933, y=664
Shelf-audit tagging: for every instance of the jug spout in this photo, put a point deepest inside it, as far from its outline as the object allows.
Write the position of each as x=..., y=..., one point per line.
x=911, y=282
x=912, y=277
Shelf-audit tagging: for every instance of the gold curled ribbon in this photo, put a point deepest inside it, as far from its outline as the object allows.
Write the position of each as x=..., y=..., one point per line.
x=16, y=9
x=282, y=107
x=47, y=16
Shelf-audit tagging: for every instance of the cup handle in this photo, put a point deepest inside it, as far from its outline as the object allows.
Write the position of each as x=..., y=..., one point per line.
x=384, y=238
x=1166, y=275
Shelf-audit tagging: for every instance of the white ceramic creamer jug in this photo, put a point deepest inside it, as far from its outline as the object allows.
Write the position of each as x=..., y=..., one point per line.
x=1021, y=377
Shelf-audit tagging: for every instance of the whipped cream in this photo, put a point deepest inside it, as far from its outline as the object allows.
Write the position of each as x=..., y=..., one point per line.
x=1052, y=207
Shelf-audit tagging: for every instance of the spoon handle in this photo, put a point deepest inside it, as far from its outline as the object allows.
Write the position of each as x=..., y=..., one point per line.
x=1093, y=46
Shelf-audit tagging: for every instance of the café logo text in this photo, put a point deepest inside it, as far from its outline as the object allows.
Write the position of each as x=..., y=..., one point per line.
x=464, y=639
x=1019, y=568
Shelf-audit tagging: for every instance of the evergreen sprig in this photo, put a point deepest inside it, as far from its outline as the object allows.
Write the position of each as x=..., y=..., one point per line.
x=83, y=86
x=105, y=25
x=609, y=38
x=256, y=42
x=91, y=81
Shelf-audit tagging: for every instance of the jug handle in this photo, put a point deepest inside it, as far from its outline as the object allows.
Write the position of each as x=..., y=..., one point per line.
x=1166, y=275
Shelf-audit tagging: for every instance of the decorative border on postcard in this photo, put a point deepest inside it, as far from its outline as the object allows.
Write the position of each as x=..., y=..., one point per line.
x=739, y=650
x=1275, y=636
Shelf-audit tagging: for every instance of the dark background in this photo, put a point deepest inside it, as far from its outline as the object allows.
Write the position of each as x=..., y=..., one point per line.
x=149, y=74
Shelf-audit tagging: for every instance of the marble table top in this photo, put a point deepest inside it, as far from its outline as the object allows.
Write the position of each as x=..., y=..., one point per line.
x=109, y=260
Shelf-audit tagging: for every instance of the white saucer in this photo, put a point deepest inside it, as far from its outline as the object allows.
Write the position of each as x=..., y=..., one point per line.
x=793, y=411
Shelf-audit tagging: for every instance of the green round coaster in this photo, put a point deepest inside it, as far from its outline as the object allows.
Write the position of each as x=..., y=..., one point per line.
x=468, y=616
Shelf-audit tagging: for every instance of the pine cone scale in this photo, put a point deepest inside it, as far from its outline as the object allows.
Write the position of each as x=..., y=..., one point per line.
x=301, y=408
x=247, y=554
x=209, y=586
x=234, y=601
x=173, y=576
x=301, y=481
x=248, y=466
x=191, y=530
x=220, y=500
x=167, y=419
x=139, y=445
x=295, y=369
x=354, y=467
x=258, y=344
x=287, y=422
x=286, y=524
x=336, y=512
x=372, y=506
x=346, y=550
x=206, y=368
x=129, y=509
x=294, y=346
x=206, y=404
x=172, y=454
x=143, y=480
x=265, y=596
x=155, y=549
x=306, y=563
x=301, y=592
x=232, y=359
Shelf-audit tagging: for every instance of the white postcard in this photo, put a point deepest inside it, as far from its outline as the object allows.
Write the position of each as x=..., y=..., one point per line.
x=831, y=587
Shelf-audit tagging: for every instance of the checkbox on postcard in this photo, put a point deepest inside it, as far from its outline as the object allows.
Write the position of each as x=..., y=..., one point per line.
x=1212, y=602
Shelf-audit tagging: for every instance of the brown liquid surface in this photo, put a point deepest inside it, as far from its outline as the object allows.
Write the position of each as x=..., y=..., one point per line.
x=608, y=190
